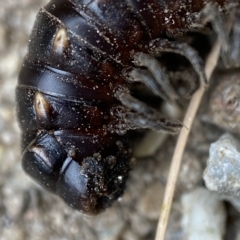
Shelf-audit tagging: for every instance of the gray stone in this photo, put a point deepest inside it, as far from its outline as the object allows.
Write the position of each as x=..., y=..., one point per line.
x=223, y=166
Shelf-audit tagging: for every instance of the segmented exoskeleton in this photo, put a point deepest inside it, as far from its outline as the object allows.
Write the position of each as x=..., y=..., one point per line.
x=74, y=103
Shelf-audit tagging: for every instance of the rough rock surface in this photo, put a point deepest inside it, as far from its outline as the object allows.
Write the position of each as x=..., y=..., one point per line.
x=223, y=166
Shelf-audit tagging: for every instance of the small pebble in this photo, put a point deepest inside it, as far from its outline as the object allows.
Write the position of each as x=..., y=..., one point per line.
x=223, y=166
x=204, y=215
x=225, y=102
x=151, y=201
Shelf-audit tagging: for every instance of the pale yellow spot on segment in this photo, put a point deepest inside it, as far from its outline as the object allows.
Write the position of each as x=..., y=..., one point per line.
x=42, y=106
x=61, y=41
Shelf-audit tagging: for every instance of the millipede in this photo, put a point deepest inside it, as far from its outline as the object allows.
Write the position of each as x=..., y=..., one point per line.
x=74, y=103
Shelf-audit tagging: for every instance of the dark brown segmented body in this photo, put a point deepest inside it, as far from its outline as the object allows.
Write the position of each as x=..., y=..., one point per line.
x=72, y=120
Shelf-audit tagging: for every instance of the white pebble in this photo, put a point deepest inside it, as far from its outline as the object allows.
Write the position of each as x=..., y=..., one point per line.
x=203, y=215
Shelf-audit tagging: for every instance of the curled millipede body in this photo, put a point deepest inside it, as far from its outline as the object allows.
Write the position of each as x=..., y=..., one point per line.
x=73, y=99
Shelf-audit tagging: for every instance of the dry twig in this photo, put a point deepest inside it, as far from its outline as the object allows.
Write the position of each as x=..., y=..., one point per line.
x=182, y=139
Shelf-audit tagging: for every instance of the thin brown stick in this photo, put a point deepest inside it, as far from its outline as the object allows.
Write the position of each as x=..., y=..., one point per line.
x=181, y=143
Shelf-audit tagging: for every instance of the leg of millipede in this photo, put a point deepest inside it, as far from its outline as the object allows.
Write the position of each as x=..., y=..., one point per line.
x=136, y=121
x=145, y=77
x=155, y=77
x=145, y=116
x=159, y=46
x=211, y=14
